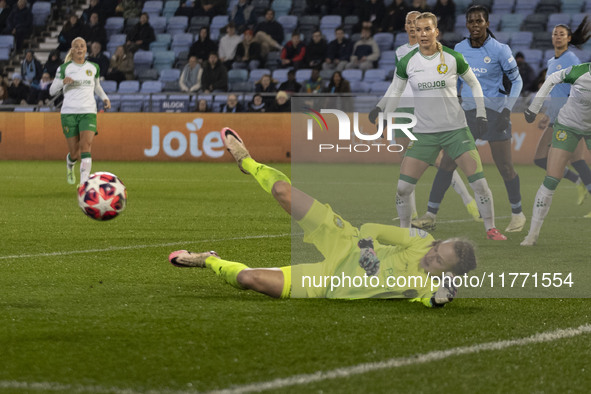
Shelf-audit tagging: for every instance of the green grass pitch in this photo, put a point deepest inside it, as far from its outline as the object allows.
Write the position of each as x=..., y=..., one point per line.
x=96, y=307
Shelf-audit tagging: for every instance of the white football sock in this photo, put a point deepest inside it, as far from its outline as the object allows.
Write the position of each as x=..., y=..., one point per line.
x=484, y=201
x=541, y=208
x=69, y=162
x=458, y=184
x=403, y=202
x=85, y=166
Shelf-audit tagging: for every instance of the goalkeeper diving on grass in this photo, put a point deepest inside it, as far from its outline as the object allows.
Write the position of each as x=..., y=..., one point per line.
x=399, y=262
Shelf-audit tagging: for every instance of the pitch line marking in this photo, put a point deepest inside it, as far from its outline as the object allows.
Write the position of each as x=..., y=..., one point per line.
x=298, y=380
x=344, y=372
x=131, y=247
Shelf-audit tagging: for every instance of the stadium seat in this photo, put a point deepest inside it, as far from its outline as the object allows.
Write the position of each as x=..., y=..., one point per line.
x=503, y=36
x=132, y=103
x=24, y=109
x=114, y=41
x=400, y=40
x=197, y=22
x=257, y=73
x=158, y=23
x=511, y=22
x=542, y=40
x=41, y=11
x=142, y=60
x=309, y=22
x=114, y=25
x=7, y=41
x=535, y=23
x=494, y=21
x=534, y=57
x=162, y=42
x=379, y=87
x=281, y=7
x=374, y=75
x=152, y=7
x=452, y=38
x=152, y=102
x=129, y=87
x=387, y=59
x=521, y=39
x=237, y=75
x=349, y=22
x=548, y=54
x=327, y=74
x=181, y=42
x=330, y=22
x=280, y=74
x=151, y=87
x=170, y=8
x=329, y=34
x=115, y=102
x=577, y=19
x=273, y=60
x=359, y=87
x=218, y=22
x=163, y=59
x=177, y=24
x=289, y=23
x=109, y=86
x=169, y=75
x=4, y=54
x=525, y=7
x=352, y=75
x=246, y=86
x=151, y=74
x=548, y=6
x=557, y=19
x=384, y=41
x=503, y=6
x=303, y=74
x=572, y=6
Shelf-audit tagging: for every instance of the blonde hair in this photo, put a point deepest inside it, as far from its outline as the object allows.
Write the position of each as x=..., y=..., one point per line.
x=69, y=54
x=411, y=13
x=433, y=18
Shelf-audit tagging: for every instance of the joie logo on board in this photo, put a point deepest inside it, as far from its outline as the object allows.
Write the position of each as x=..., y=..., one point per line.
x=348, y=133
x=211, y=144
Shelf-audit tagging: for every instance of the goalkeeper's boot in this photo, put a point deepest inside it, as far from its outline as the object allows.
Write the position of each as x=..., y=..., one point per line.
x=235, y=146
x=530, y=240
x=425, y=222
x=517, y=222
x=70, y=176
x=473, y=211
x=184, y=258
x=581, y=192
x=495, y=235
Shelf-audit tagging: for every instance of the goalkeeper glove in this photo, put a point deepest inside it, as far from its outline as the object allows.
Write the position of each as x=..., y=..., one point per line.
x=530, y=116
x=368, y=260
x=504, y=120
x=481, y=125
x=373, y=114
x=446, y=293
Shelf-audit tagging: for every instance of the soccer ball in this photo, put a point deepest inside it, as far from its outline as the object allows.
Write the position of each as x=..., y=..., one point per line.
x=103, y=196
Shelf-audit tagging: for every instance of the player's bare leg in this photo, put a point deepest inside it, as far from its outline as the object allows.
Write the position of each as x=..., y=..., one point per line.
x=557, y=160
x=501, y=153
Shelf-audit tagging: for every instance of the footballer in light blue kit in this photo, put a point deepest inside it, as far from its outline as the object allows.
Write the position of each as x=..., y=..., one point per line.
x=489, y=60
x=563, y=58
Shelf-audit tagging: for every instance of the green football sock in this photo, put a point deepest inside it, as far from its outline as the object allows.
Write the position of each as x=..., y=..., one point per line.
x=227, y=270
x=266, y=176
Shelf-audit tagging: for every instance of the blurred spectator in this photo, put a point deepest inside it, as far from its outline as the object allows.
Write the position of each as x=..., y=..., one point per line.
x=19, y=23
x=4, y=81
x=228, y=44
x=72, y=28
x=243, y=16
x=281, y=103
x=97, y=56
x=314, y=84
x=93, y=7
x=365, y=52
x=185, y=9
x=190, y=80
x=53, y=63
x=293, y=52
x=96, y=31
x=128, y=9
x=40, y=95
x=248, y=53
x=214, y=76
x=121, y=67
x=232, y=104
x=209, y=8
x=141, y=35
x=446, y=15
x=527, y=73
x=339, y=51
x=203, y=46
x=18, y=91
x=316, y=50
x=4, y=98
x=202, y=106
x=4, y=12
x=266, y=85
x=338, y=84
x=373, y=11
x=31, y=69
x=257, y=104
x=395, y=17
x=419, y=5
x=269, y=33
x=291, y=85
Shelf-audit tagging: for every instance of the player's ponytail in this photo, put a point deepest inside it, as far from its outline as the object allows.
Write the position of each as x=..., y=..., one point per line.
x=581, y=35
x=440, y=49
